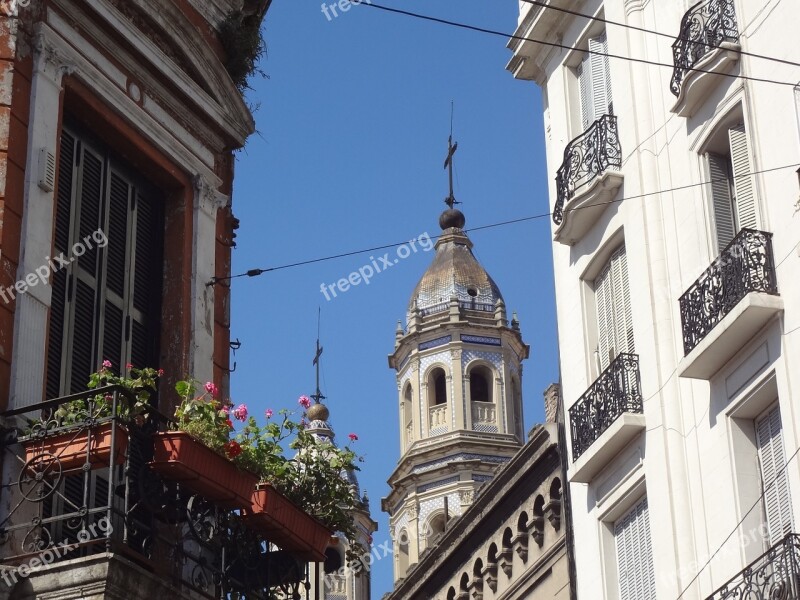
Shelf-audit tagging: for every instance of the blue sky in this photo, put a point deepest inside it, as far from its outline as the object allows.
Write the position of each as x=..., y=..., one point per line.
x=352, y=135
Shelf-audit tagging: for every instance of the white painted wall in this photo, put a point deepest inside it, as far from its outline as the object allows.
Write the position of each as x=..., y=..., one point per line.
x=694, y=461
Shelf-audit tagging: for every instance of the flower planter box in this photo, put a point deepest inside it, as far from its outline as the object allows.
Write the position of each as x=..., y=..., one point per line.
x=72, y=448
x=180, y=457
x=285, y=525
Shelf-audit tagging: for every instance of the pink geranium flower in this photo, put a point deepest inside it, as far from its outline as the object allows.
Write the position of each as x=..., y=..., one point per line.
x=240, y=412
x=106, y=364
x=212, y=389
x=304, y=401
x=268, y=413
x=353, y=437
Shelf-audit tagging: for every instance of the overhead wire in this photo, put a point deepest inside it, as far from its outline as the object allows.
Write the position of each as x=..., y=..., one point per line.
x=257, y=272
x=605, y=21
x=568, y=48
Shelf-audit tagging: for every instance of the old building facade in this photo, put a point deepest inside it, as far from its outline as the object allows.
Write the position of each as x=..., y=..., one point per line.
x=473, y=510
x=673, y=142
x=118, y=123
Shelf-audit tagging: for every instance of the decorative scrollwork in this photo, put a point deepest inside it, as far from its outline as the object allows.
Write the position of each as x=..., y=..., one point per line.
x=618, y=390
x=775, y=575
x=704, y=27
x=203, y=520
x=596, y=150
x=746, y=265
x=40, y=477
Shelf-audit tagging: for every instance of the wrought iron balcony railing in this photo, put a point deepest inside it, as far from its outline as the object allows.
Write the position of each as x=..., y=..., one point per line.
x=774, y=574
x=618, y=390
x=746, y=265
x=704, y=27
x=86, y=488
x=587, y=156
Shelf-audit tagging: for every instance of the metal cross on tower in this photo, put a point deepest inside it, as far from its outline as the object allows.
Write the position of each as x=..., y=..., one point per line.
x=448, y=163
x=317, y=396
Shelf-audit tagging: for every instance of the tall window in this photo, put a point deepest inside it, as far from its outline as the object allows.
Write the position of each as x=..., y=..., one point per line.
x=614, y=315
x=635, y=555
x=594, y=81
x=106, y=303
x=732, y=186
x=480, y=384
x=774, y=479
x=438, y=383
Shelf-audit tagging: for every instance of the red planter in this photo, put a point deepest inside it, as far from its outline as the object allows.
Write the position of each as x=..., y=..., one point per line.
x=180, y=457
x=285, y=525
x=70, y=448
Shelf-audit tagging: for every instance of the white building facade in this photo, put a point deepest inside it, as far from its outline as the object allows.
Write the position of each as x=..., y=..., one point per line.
x=674, y=195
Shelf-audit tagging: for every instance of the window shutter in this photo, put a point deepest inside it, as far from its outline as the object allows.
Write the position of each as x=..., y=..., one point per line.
x=55, y=350
x=614, y=312
x=585, y=85
x=636, y=573
x=742, y=179
x=719, y=171
x=604, y=296
x=106, y=303
x=601, y=88
x=774, y=479
x=623, y=313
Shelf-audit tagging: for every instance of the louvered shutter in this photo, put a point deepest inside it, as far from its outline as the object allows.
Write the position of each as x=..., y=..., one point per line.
x=614, y=312
x=106, y=303
x=601, y=87
x=774, y=479
x=719, y=171
x=604, y=295
x=58, y=302
x=742, y=179
x=635, y=569
x=585, y=88
x=623, y=313
x=84, y=272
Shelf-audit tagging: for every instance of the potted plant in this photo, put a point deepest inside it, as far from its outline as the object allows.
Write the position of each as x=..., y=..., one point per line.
x=300, y=501
x=82, y=430
x=200, y=453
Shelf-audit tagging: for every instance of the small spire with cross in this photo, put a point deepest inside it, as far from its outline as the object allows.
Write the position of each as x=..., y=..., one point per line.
x=317, y=396
x=448, y=163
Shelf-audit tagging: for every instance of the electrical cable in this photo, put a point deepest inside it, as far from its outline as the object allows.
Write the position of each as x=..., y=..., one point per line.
x=257, y=272
x=569, y=48
x=575, y=13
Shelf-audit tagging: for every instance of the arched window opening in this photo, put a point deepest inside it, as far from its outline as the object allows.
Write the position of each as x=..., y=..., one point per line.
x=407, y=412
x=480, y=380
x=438, y=379
x=464, y=583
x=451, y=594
x=403, y=552
x=333, y=560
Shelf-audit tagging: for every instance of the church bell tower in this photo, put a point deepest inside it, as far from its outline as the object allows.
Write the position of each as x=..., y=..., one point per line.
x=459, y=382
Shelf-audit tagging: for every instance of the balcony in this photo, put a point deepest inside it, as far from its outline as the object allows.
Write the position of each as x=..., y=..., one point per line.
x=728, y=304
x=775, y=574
x=587, y=179
x=484, y=416
x=705, y=49
x=82, y=509
x=606, y=418
x=437, y=422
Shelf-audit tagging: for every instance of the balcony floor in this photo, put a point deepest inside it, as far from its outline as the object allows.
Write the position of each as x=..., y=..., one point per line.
x=739, y=326
x=618, y=435
x=585, y=207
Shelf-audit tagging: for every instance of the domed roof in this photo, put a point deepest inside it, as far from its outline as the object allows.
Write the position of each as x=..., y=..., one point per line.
x=454, y=272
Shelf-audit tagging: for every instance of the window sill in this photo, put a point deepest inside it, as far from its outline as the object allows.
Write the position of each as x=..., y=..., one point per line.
x=696, y=85
x=737, y=328
x=586, y=206
x=618, y=435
